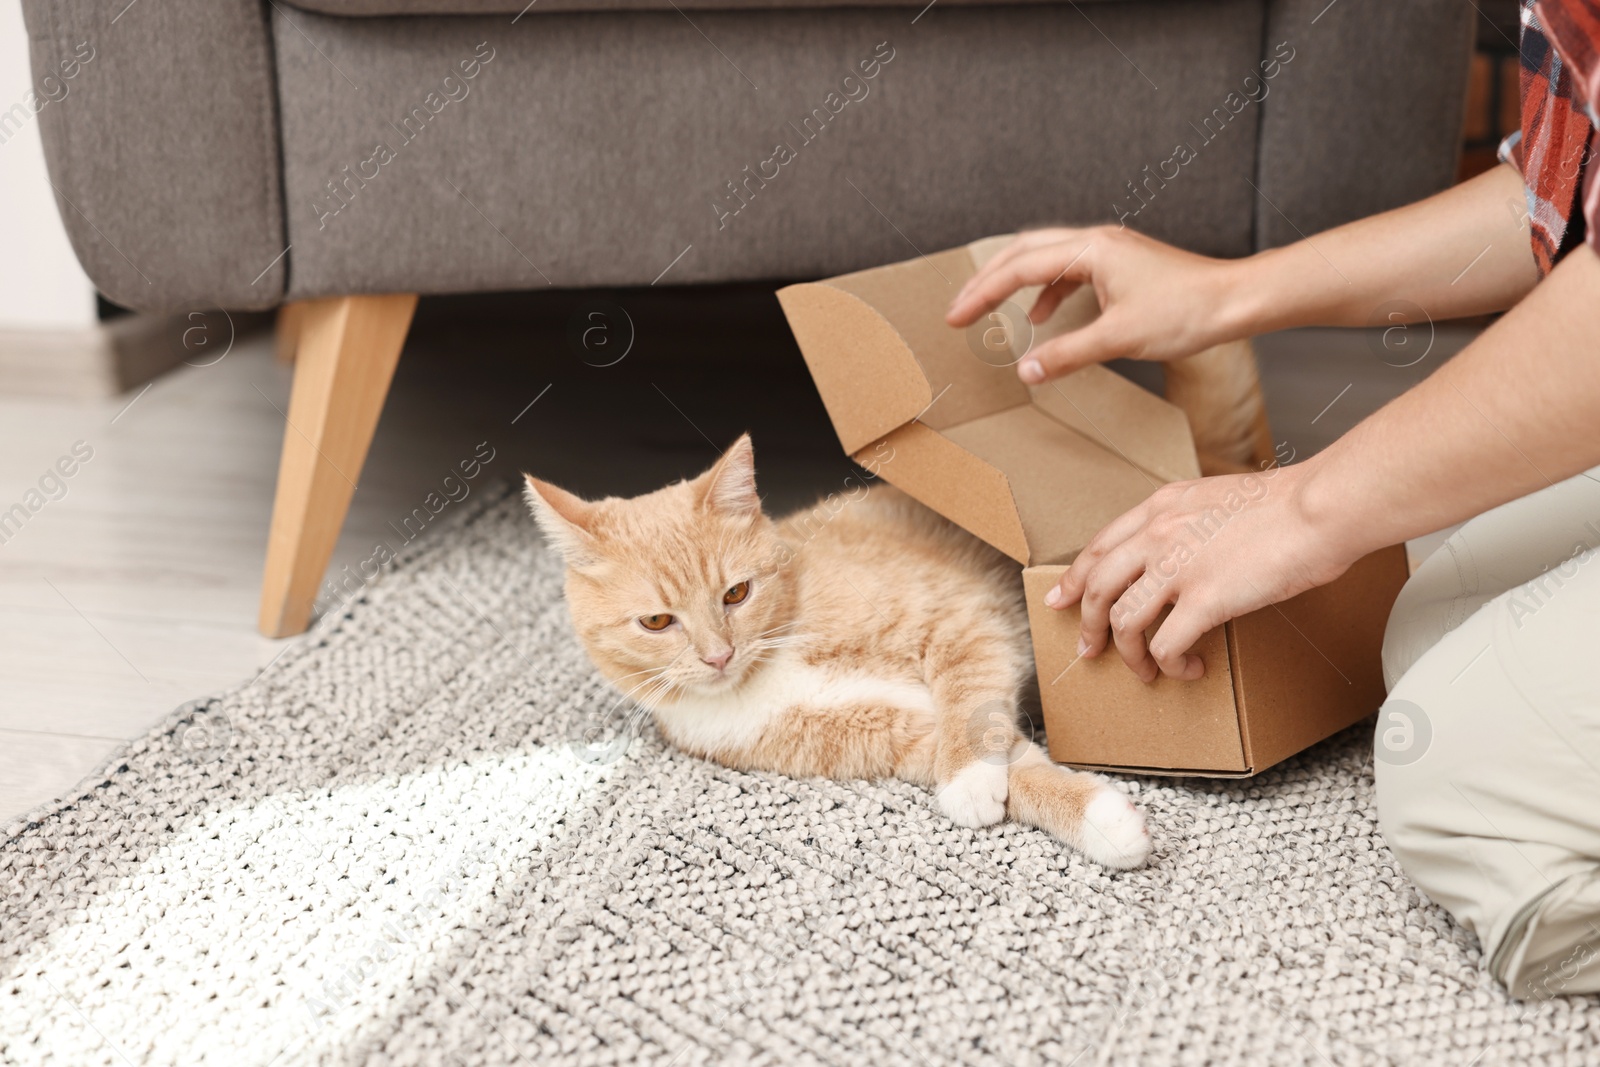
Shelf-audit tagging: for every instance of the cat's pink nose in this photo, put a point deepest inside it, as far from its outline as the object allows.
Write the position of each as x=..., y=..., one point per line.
x=720, y=660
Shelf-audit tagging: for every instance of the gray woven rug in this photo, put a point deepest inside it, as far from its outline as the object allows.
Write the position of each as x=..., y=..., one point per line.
x=405, y=844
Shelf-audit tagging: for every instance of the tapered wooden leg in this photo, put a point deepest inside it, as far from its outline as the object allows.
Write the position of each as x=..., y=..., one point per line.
x=347, y=354
x=291, y=319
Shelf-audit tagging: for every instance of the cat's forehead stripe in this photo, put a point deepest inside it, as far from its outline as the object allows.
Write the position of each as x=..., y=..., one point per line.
x=686, y=562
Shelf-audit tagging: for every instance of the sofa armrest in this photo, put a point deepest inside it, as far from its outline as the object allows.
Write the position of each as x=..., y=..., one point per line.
x=163, y=148
x=1373, y=117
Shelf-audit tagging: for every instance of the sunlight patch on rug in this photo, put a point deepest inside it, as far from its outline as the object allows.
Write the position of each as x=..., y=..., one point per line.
x=310, y=916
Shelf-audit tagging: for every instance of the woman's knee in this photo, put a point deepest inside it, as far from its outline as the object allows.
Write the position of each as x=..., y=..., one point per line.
x=1446, y=851
x=1492, y=554
x=1486, y=839
x=1431, y=604
x=1435, y=796
x=1408, y=804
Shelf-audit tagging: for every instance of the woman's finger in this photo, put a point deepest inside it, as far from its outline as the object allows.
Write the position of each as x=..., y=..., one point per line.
x=1097, y=342
x=1192, y=616
x=1142, y=602
x=1047, y=264
x=1050, y=298
x=1070, y=588
x=1129, y=640
x=1135, y=611
x=1018, y=244
x=1023, y=242
x=1103, y=587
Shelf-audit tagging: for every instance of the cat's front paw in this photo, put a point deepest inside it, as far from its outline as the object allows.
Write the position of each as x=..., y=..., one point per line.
x=1114, y=833
x=976, y=796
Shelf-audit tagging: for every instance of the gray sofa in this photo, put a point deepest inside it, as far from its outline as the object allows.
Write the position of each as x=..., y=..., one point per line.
x=200, y=141
x=339, y=157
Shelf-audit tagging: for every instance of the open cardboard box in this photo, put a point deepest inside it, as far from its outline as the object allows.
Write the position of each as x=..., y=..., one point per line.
x=1036, y=472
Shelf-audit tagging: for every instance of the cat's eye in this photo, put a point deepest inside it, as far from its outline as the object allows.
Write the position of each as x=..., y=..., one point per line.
x=737, y=594
x=655, y=623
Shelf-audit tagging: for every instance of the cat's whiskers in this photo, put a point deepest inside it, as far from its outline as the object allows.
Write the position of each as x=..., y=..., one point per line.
x=774, y=637
x=658, y=683
x=781, y=639
x=656, y=674
x=781, y=626
x=634, y=674
x=761, y=650
x=653, y=672
x=647, y=703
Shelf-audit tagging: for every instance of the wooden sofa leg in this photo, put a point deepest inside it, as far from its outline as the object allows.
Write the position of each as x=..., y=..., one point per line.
x=291, y=318
x=346, y=357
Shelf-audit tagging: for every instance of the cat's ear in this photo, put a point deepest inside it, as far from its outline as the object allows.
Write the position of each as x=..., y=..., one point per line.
x=564, y=518
x=729, y=486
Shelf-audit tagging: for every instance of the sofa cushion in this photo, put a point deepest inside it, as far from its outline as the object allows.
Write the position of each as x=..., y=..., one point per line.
x=168, y=184
x=518, y=7
x=612, y=149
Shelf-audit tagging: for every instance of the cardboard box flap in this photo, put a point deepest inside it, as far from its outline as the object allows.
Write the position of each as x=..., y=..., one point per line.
x=1100, y=404
x=912, y=297
x=1124, y=419
x=959, y=485
x=869, y=380
x=1064, y=487
x=881, y=354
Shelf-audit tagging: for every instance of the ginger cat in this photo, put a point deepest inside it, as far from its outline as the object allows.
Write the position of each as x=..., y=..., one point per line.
x=1220, y=390
x=878, y=641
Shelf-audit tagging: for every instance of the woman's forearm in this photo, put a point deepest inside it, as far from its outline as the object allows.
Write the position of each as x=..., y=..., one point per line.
x=1517, y=410
x=1462, y=252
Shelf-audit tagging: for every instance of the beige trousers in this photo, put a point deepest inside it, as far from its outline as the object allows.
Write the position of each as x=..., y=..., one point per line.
x=1488, y=748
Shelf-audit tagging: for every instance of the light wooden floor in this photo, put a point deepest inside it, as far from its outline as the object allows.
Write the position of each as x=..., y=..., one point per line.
x=136, y=591
x=130, y=594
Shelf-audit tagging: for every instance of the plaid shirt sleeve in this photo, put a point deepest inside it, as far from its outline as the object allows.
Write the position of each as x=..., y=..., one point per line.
x=1573, y=27
x=1560, y=58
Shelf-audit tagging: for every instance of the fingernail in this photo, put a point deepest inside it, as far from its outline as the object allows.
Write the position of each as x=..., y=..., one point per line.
x=1031, y=372
x=1053, y=597
x=1083, y=645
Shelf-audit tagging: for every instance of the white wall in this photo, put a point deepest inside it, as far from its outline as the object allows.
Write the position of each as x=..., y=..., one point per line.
x=41, y=284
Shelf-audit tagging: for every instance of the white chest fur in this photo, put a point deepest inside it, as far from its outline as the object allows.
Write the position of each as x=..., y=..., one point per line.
x=721, y=722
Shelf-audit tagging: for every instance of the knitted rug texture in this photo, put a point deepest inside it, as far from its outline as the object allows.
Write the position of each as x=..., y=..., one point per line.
x=422, y=837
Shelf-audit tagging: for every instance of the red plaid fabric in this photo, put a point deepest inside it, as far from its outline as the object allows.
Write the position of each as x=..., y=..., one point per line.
x=1560, y=52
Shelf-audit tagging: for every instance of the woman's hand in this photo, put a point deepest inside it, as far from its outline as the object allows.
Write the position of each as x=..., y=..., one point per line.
x=1156, y=302
x=1511, y=413
x=1160, y=303
x=1214, y=549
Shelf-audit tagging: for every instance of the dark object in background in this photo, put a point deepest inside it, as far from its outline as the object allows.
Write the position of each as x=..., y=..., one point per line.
x=1494, y=98
x=105, y=310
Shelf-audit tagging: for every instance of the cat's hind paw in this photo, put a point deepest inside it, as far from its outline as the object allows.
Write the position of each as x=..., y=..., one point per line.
x=1114, y=833
x=976, y=796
